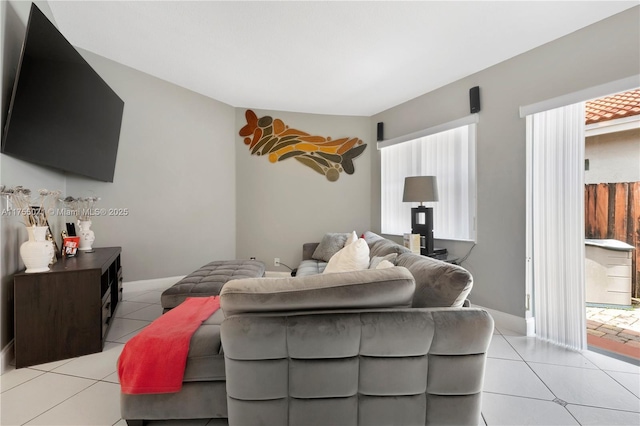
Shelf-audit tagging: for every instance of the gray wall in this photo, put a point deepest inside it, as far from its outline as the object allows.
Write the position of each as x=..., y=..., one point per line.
x=175, y=173
x=13, y=21
x=606, y=51
x=282, y=205
x=613, y=157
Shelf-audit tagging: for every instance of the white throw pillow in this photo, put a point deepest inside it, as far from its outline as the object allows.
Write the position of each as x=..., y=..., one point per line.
x=353, y=257
x=375, y=260
x=352, y=238
x=385, y=264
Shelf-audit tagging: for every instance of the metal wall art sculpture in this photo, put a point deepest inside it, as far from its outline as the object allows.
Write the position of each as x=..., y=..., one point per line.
x=266, y=136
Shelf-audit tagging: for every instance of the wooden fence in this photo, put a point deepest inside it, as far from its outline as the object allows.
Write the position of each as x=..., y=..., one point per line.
x=612, y=210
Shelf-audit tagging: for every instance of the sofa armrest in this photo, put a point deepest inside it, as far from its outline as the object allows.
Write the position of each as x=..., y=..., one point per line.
x=438, y=283
x=369, y=288
x=308, y=249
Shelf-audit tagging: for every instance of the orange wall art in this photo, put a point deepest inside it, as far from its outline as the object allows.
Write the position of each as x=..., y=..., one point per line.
x=271, y=137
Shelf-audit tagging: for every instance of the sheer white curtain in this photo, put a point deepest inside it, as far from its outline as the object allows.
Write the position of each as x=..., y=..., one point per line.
x=448, y=155
x=556, y=224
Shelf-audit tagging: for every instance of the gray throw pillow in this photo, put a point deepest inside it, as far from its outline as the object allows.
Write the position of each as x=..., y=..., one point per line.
x=375, y=260
x=331, y=243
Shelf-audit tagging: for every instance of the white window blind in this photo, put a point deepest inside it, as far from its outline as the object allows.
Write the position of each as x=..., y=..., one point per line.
x=450, y=156
x=555, y=235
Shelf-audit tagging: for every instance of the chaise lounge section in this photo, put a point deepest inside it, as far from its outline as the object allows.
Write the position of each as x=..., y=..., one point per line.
x=209, y=279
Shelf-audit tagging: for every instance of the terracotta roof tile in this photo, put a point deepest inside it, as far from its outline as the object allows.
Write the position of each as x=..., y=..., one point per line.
x=612, y=107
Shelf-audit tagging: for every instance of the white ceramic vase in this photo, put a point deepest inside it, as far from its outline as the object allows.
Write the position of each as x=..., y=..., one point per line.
x=37, y=252
x=87, y=237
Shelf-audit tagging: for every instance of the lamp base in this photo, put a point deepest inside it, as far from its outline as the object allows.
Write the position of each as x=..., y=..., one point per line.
x=422, y=223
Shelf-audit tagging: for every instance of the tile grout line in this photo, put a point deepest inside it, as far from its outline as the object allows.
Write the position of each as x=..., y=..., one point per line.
x=135, y=310
x=581, y=368
x=626, y=388
x=26, y=381
x=567, y=404
x=564, y=406
x=515, y=350
x=544, y=383
x=603, y=408
x=606, y=372
x=126, y=334
x=518, y=396
x=539, y=378
x=616, y=380
x=64, y=400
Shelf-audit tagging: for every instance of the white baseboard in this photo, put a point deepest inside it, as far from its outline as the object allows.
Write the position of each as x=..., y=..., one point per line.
x=504, y=321
x=531, y=326
x=6, y=357
x=151, y=284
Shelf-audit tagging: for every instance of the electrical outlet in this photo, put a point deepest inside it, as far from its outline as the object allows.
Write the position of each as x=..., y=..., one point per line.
x=276, y=261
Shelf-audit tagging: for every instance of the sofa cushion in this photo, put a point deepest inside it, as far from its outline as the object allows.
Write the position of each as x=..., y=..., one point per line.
x=371, y=237
x=331, y=243
x=385, y=247
x=438, y=284
x=369, y=288
x=205, y=360
x=380, y=246
x=352, y=257
x=310, y=267
x=209, y=279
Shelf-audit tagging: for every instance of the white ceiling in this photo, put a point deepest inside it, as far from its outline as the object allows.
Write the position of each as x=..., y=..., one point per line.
x=332, y=57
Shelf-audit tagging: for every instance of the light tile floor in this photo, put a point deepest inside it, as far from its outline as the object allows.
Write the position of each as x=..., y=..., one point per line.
x=527, y=381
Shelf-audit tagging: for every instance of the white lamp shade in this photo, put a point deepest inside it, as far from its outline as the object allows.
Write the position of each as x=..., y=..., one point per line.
x=420, y=189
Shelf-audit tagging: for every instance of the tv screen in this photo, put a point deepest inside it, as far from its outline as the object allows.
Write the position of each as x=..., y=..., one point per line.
x=62, y=114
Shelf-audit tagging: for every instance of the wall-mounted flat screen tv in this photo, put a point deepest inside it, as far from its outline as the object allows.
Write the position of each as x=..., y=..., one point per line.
x=62, y=114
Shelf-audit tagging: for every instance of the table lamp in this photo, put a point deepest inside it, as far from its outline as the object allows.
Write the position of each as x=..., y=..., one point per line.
x=421, y=189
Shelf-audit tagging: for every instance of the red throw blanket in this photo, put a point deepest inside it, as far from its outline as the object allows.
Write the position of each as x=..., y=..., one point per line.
x=154, y=360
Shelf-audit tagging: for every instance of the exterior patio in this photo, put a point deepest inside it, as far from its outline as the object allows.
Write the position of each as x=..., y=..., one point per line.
x=615, y=330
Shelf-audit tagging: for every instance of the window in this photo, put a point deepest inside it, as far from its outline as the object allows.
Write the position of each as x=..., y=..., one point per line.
x=449, y=155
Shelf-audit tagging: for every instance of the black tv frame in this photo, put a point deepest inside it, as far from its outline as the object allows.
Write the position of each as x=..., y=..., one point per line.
x=62, y=114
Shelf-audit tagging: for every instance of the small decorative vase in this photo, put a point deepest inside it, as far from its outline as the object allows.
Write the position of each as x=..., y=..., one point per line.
x=87, y=237
x=37, y=252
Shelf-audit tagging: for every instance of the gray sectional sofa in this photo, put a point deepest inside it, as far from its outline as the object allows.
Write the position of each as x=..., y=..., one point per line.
x=352, y=348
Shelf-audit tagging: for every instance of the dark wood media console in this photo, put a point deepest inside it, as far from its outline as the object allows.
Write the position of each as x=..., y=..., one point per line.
x=66, y=312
